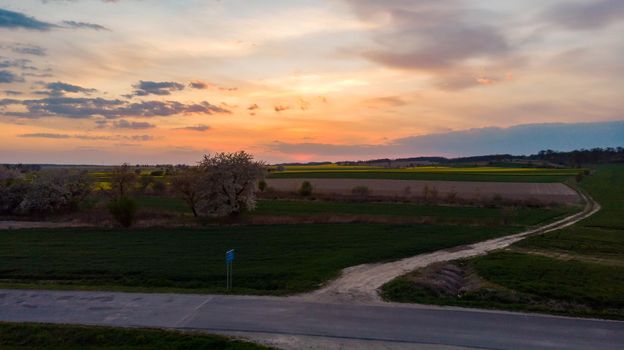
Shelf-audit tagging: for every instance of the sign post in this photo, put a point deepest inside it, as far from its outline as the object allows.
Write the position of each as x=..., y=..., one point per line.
x=229, y=259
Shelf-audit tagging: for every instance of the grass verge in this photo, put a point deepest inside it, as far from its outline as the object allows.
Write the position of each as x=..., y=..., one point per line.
x=14, y=336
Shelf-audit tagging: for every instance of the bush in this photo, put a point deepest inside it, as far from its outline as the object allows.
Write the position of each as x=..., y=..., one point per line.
x=157, y=173
x=305, y=189
x=123, y=210
x=360, y=192
x=159, y=187
x=262, y=185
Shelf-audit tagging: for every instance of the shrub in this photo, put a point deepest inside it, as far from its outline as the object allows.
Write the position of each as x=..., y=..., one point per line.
x=360, y=191
x=159, y=187
x=11, y=196
x=262, y=185
x=305, y=189
x=123, y=210
x=157, y=173
x=55, y=191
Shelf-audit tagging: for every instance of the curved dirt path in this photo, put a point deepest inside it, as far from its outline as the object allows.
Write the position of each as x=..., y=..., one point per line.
x=360, y=284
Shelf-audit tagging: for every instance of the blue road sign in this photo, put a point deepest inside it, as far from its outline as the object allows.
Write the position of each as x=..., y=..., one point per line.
x=229, y=255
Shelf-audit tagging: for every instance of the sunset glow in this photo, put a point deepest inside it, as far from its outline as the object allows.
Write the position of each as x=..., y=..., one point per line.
x=105, y=82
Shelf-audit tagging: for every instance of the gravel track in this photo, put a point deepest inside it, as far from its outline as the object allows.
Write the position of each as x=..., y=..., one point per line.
x=360, y=284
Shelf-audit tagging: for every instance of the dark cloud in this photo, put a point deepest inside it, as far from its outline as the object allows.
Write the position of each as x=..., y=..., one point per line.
x=82, y=107
x=84, y=25
x=162, y=88
x=28, y=49
x=7, y=77
x=587, y=15
x=202, y=85
x=124, y=124
x=12, y=93
x=429, y=35
x=59, y=89
x=253, y=107
x=199, y=127
x=89, y=137
x=15, y=20
x=21, y=63
x=521, y=139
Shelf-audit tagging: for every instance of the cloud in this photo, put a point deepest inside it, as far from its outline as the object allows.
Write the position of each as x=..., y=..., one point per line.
x=521, y=139
x=21, y=63
x=84, y=25
x=429, y=35
x=15, y=20
x=588, y=15
x=82, y=108
x=7, y=77
x=44, y=135
x=28, y=49
x=384, y=102
x=253, y=107
x=124, y=124
x=202, y=85
x=144, y=88
x=198, y=84
x=281, y=108
x=12, y=93
x=59, y=89
x=199, y=127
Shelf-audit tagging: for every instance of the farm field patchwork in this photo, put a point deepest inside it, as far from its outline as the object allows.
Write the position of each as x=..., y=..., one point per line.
x=574, y=271
x=25, y=336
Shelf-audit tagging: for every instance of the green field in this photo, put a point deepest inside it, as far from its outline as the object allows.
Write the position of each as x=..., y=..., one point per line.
x=271, y=259
x=575, y=271
x=496, y=174
x=22, y=336
x=442, y=214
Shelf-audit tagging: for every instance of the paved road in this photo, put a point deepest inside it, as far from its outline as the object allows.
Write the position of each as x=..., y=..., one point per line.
x=291, y=316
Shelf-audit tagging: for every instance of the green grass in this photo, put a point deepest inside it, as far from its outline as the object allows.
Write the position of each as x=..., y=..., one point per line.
x=435, y=173
x=14, y=336
x=473, y=215
x=271, y=259
x=588, y=282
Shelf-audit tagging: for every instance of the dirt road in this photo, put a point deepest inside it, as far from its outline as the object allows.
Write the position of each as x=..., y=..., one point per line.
x=360, y=284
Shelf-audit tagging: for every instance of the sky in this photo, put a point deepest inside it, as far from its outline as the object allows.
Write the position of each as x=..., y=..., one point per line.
x=112, y=81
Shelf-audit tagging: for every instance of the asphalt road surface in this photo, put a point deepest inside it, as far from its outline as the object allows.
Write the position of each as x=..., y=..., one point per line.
x=390, y=323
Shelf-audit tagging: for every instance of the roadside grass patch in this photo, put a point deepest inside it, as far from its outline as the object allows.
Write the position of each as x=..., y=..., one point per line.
x=30, y=336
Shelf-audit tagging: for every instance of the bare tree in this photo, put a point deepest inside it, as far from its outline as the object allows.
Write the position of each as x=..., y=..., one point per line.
x=186, y=183
x=123, y=180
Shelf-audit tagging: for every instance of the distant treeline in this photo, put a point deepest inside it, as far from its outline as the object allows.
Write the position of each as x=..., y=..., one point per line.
x=575, y=158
